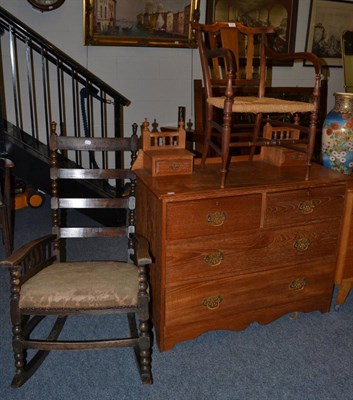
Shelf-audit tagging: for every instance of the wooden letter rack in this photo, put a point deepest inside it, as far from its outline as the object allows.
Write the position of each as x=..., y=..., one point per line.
x=164, y=152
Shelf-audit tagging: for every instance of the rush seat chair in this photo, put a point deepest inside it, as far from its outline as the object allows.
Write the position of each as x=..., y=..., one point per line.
x=234, y=60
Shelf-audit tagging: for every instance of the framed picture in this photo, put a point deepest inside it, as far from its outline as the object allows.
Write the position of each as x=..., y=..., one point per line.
x=140, y=23
x=327, y=20
x=281, y=14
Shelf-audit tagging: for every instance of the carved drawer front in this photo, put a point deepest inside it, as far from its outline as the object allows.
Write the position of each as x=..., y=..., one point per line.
x=249, y=251
x=304, y=205
x=199, y=307
x=213, y=216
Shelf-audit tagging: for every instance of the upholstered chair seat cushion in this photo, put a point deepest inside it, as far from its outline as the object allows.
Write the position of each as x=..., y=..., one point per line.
x=262, y=105
x=82, y=285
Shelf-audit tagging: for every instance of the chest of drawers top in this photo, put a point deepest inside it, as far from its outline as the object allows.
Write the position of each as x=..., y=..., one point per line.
x=244, y=178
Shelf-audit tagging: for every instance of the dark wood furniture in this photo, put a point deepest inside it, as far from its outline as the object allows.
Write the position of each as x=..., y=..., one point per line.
x=266, y=245
x=7, y=207
x=46, y=282
x=234, y=56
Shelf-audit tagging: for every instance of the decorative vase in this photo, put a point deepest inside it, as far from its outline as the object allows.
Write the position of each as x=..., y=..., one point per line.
x=337, y=135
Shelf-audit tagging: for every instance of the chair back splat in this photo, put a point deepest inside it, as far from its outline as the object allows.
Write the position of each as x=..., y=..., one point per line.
x=235, y=60
x=48, y=277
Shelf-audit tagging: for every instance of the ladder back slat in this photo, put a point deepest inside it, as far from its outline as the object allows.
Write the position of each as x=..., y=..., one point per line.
x=91, y=232
x=92, y=144
x=80, y=173
x=122, y=202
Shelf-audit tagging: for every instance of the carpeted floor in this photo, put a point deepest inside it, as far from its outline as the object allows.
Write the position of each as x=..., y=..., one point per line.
x=309, y=357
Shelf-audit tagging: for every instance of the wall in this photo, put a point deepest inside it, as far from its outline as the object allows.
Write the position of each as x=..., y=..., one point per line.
x=156, y=80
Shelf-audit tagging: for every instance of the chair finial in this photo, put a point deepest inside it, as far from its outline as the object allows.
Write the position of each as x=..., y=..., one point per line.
x=134, y=128
x=53, y=125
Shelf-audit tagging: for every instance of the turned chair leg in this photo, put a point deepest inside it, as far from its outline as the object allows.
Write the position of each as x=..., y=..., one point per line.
x=20, y=355
x=143, y=347
x=208, y=133
x=226, y=131
x=256, y=133
x=145, y=352
x=311, y=144
x=225, y=155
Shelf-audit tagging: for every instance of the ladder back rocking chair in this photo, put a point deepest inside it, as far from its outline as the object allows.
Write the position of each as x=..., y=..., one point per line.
x=44, y=283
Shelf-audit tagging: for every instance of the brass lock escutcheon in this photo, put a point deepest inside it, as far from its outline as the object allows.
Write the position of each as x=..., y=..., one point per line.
x=212, y=302
x=215, y=259
x=308, y=206
x=298, y=284
x=217, y=218
x=302, y=244
x=174, y=167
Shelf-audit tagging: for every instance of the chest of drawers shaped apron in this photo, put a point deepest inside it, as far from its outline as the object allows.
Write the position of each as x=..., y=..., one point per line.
x=264, y=246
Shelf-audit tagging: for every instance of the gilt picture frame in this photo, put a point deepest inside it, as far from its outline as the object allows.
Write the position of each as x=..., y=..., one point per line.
x=327, y=20
x=281, y=14
x=164, y=23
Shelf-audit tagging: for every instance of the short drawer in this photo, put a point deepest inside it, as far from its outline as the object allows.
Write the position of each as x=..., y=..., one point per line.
x=219, y=304
x=250, y=251
x=213, y=216
x=168, y=162
x=173, y=167
x=300, y=206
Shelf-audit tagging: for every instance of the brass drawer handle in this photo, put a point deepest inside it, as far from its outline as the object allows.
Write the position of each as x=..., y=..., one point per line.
x=174, y=167
x=302, y=244
x=215, y=259
x=298, y=284
x=213, y=302
x=216, y=219
x=308, y=206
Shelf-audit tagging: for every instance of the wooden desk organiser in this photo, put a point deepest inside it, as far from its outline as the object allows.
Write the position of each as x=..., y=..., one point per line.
x=164, y=152
x=282, y=156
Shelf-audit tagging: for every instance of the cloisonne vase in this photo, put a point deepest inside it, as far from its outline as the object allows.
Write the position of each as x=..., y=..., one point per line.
x=337, y=135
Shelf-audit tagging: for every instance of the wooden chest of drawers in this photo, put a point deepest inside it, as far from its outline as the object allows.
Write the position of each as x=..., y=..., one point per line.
x=264, y=246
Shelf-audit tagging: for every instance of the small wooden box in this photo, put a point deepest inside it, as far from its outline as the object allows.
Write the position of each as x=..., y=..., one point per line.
x=282, y=156
x=164, y=152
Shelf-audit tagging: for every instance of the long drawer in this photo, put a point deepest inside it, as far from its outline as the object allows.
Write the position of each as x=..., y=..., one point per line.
x=208, y=305
x=303, y=206
x=212, y=257
x=213, y=216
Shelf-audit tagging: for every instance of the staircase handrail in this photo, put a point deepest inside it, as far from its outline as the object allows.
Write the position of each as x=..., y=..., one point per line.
x=23, y=31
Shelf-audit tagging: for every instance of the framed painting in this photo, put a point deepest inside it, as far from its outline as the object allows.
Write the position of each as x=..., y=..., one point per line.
x=281, y=14
x=327, y=20
x=164, y=23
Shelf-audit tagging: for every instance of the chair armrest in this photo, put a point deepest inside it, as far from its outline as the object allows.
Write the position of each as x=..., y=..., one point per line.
x=141, y=254
x=225, y=53
x=304, y=56
x=30, y=258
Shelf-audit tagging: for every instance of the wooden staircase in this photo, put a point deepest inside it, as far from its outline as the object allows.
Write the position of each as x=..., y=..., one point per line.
x=39, y=84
